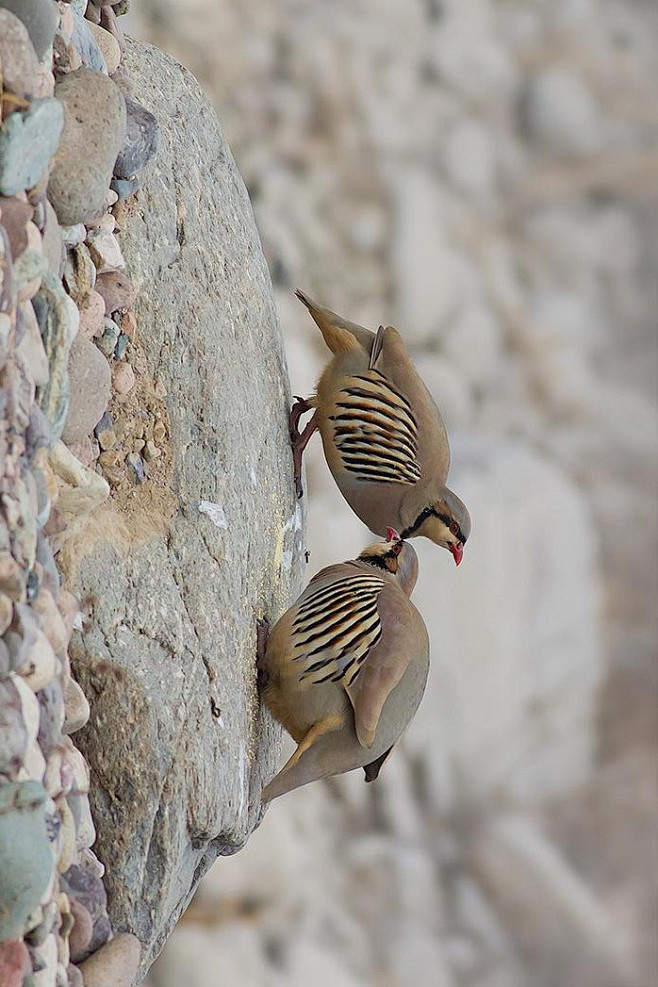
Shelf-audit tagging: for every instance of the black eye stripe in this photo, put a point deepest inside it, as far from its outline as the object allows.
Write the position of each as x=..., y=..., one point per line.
x=432, y=512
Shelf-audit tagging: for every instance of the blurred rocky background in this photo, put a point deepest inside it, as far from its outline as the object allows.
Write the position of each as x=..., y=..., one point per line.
x=483, y=175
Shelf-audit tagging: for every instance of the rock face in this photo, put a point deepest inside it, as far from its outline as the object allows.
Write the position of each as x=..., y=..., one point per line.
x=176, y=570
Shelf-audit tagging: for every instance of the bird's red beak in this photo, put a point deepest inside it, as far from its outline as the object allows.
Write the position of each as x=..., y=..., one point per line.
x=457, y=551
x=392, y=535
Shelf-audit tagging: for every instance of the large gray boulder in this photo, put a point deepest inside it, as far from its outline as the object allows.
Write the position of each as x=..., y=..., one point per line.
x=174, y=573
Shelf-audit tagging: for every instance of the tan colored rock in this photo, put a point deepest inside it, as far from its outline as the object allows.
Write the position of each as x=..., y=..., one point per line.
x=17, y=56
x=92, y=313
x=93, y=134
x=108, y=45
x=76, y=707
x=81, y=492
x=114, y=964
x=123, y=378
x=105, y=251
x=31, y=348
x=89, y=389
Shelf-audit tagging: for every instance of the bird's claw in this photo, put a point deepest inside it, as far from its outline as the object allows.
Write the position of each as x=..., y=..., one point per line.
x=262, y=634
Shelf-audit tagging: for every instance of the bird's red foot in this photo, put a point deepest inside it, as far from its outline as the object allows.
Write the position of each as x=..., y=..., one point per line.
x=299, y=440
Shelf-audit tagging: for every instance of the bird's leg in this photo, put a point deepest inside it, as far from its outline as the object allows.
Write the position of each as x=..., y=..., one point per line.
x=311, y=737
x=298, y=440
x=262, y=634
x=299, y=408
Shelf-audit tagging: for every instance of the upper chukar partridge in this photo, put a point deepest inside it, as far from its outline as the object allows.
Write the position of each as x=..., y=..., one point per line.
x=345, y=668
x=383, y=435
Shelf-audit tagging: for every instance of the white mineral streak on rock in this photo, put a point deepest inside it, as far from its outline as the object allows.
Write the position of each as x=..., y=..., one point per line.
x=215, y=512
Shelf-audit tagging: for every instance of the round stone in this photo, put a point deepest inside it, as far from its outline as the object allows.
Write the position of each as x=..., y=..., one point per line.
x=89, y=389
x=80, y=935
x=115, y=964
x=39, y=17
x=109, y=46
x=93, y=135
x=27, y=142
x=141, y=142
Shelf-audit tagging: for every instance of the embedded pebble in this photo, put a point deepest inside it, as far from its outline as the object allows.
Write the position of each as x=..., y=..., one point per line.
x=58, y=321
x=129, y=324
x=109, y=21
x=83, y=885
x=17, y=55
x=44, y=918
x=89, y=389
x=51, y=620
x=14, y=960
x=108, y=341
x=75, y=978
x=141, y=142
x=92, y=137
x=108, y=45
x=15, y=215
x=80, y=934
x=79, y=272
x=26, y=864
x=123, y=378
x=39, y=17
x=105, y=251
x=67, y=847
x=105, y=433
x=151, y=451
x=121, y=347
x=76, y=707
x=115, y=964
x=106, y=222
x=34, y=764
x=136, y=464
x=92, y=313
x=117, y=289
x=29, y=708
x=85, y=44
x=43, y=664
x=85, y=831
x=31, y=347
x=45, y=974
x=13, y=734
x=74, y=234
x=81, y=491
x=51, y=718
x=28, y=141
x=28, y=272
x=52, y=245
x=6, y=612
x=124, y=187
x=11, y=577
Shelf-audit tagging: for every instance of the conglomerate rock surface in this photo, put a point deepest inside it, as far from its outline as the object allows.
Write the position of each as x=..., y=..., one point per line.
x=175, y=570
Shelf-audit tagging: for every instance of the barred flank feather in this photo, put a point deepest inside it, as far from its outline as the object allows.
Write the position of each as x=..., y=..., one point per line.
x=336, y=627
x=375, y=430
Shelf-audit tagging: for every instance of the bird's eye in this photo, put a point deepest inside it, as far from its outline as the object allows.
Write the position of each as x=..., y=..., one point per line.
x=454, y=527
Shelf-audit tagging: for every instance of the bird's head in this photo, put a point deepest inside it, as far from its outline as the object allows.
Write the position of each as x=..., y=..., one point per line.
x=445, y=521
x=395, y=556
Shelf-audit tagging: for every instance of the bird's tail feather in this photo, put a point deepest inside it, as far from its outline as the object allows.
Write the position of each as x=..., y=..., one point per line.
x=340, y=335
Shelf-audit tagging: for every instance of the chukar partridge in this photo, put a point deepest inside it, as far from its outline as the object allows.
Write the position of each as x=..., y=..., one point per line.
x=383, y=436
